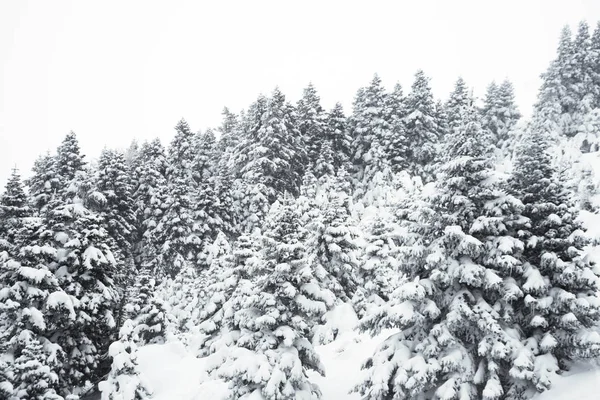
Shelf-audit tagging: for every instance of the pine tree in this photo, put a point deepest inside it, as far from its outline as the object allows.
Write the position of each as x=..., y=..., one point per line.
x=114, y=202
x=559, y=288
x=337, y=135
x=456, y=336
x=69, y=163
x=457, y=105
x=500, y=114
x=124, y=381
x=421, y=127
x=272, y=353
x=176, y=230
x=181, y=153
x=378, y=269
x=397, y=145
x=149, y=311
x=275, y=157
x=13, y=208
x=44, y=181
x=34, y=377
x=149, y=198
x=334, y=242
x=222, y=277
x=311, y=121
x=6, y=387
x=594, y=65
x=369, y=124
x=205, y=160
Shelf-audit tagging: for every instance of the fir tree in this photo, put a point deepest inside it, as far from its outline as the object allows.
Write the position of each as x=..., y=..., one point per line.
x=205, y=160
x=13, y=208
x=272, y=353
x=369, y=124
x=338, y=136
x=34, y=377
x=397, y=144
x=113, y=194
x=149, y=198
x=455, y=338
x=124, y=381
x=421, y=127
x=275, y=156
x=44, y=181
x=559, y=288
x=311, y=123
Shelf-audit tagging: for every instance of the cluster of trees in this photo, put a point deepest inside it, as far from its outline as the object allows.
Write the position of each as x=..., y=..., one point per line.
x=248, y=240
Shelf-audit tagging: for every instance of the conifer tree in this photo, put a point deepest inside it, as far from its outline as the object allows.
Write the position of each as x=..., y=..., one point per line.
x=275, y=157
x=397, y=145
x=124, y=380
x=113, y=192
x=456, y=336
x=272, y=353
x=337, y=134
x=13, y=208
x=43, y=183
x=378, y=270
x=34, y=377
x=369, y=124
x=311, y=123
x=334, y=242
x=421, y=127
x=205, y=160
x=149, y=198
x=559, y=283
x=500, y=114
x=69, y=162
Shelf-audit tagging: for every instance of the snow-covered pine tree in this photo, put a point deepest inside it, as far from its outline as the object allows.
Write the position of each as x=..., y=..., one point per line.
x=149, y=198
x=369, y=125
x=124, y=381
x=85, y=268
x=456, y=337
x=149, y=311
x=6, y=387
x=457, y=105
x=180, y=243
x=334, y=241
x=230, y=135
x=324, y=165
x=378, y=270
x=559, y=302
x=276, y=157
x=221, y=280
x=69, y=163
x=272, y=353
x=43, y=182
x=500, y=114
x=14, y=208
x=422, y=128
x=595, y=65
x=206, y=156
x=34, y=375
x=336, y=132
x=117, y=209
x=207, y=219
x=397, y=145
x=311, y=122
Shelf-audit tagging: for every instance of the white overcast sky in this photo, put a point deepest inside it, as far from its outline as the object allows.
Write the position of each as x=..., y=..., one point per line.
x=117, y=70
